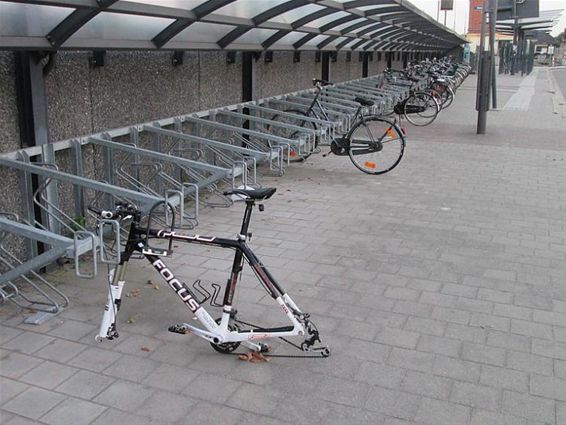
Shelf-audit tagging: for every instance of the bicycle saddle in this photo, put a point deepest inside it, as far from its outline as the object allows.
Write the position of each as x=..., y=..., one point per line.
x=254, y=194
x=363, y=101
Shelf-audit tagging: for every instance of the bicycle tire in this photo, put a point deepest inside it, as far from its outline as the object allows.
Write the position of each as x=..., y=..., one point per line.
x=294, y=156
x=389, y=137
x=417, y=101
x=447, y=98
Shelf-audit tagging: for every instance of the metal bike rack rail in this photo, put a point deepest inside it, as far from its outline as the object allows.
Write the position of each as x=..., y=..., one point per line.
x=173, y=160
x=21, y=283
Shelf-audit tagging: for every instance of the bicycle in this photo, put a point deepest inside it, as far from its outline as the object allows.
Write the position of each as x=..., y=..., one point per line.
x=225, y=333
x=420, y=108
x=374, y=144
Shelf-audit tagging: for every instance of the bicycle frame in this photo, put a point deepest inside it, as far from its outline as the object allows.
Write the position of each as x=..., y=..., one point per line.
x=216, y=332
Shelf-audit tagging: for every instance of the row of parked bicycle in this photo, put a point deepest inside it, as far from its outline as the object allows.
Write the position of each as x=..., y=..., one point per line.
x=371, y=135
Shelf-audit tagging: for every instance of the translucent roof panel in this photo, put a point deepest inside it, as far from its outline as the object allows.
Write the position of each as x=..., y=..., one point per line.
x=375, y=6
x=177, y=4
x=22, y=20
x=147, y=24
x=378, y=30
x=290, y=39
x=111, y=26
x=203, y=32
x=348, y=24
x=296, y=14
x=255, y=36
x=350, y=44
x=326, y=19
x=315, y=41
x=248, y=8
x=335, y=42
x=371, y=24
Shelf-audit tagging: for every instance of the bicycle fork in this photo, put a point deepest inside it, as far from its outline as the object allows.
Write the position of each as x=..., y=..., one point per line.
x=115, y=286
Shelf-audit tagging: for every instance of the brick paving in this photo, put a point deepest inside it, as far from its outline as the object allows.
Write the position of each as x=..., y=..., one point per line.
x=441, y=288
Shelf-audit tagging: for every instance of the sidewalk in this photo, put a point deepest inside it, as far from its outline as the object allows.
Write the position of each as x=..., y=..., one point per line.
x=441, y=288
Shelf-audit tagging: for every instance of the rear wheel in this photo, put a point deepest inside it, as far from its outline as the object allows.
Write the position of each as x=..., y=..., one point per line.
x=421, y=109
x=376, y=145
x=447, y=97
x=295, y=154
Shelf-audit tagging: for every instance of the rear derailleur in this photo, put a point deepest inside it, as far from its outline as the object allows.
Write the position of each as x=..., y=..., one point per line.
x=312, y=342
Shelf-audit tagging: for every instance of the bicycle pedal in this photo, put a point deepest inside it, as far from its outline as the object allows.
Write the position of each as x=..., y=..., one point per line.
x=179, y=329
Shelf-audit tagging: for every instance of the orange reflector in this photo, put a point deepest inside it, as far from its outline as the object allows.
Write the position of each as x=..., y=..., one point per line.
x=390, y=133
x=369, y=164
x=292, y=154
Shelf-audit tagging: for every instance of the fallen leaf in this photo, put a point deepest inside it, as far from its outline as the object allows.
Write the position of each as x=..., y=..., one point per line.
x=133, y=293
x=145, y=349
x=254, y=357
x=246, y=357
x=156, y=287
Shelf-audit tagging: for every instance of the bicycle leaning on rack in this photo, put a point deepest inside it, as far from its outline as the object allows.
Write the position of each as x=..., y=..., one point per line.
x=420, y=108
x=375, y=144
x=224, y=333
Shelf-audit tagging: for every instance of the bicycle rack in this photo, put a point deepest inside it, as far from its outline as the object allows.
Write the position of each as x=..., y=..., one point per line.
x=325, y=129
x=172, y=160
x=19, y=282
x=163, y=173
x=242, y=161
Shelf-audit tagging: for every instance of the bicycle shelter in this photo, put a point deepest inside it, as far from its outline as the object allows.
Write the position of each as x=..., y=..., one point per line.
x=186, y=159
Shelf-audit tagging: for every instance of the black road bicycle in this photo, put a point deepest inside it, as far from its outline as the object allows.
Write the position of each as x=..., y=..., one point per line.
x=374, y=144
x=224, y=333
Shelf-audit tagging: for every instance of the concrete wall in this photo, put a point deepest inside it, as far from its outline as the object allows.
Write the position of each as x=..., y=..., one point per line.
x=9, y=132
x=135, y=87
x=9, y=129
x=283, y=75
x=344, y=71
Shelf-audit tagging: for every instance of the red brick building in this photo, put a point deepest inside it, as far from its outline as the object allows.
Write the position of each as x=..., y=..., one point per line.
x=474, y=23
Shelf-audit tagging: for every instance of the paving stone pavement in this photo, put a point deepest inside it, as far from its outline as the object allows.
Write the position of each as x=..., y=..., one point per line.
x=440, y=287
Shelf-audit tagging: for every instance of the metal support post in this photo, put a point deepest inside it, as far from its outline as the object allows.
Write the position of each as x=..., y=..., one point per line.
x=32, y=104
x=248, y=76
x=325, y=74
x=492, y=21
x=32, y=118
x=248, y=85
x=482, y=95
x=515, y=38
x=365, y=64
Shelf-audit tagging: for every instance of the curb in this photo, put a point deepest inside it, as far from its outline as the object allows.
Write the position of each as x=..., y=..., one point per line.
x=558, y=101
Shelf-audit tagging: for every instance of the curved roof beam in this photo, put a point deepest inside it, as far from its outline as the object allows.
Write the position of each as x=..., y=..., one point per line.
x=360, y=3
x=383, y=10
x=182, y=23
x=380, y=30
x=312, y=16
x=355, y=26
x=274, y=39
x=72, y=23
x=389, y=35
x=337, y=22
x=343, y=43
x=328, y=40
x=399, y=3
x=359, y=44
x=263, y=17
x=304, y=40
